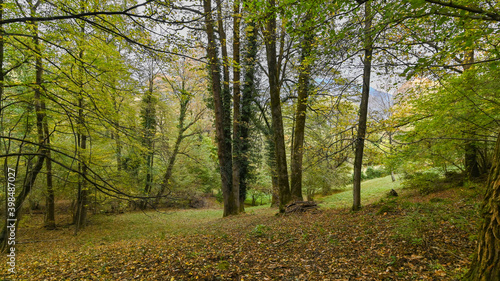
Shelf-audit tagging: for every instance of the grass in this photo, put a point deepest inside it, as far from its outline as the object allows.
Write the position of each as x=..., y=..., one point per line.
x=151, y=224
x=422, y=217
x=371, y=191
x=161, y=224
x=412, y=235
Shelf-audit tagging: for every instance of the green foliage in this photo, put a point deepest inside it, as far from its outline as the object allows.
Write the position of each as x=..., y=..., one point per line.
x=373, y=173
x=441, y=118
x=317, y=181
x=425, y=183
x=432, y=181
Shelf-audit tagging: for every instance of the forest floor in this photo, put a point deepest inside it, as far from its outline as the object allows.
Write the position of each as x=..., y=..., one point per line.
x=409, y=237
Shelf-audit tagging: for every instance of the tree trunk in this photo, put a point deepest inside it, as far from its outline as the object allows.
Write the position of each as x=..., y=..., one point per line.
x=471, y=150
x=222, y=124
x=363, y=109
x=248, y=95
x=118, y=143
x=80, y=215
x=50, y=218
x=275, y=191
x=237, y=139
x=277, y=121
x=27, y=186
x=393, y=178
x=50, y=221
x=171, y=161
x=471, y=158
x=486, y=262
x=44, y=136
x=300, y=116
x=149, y=119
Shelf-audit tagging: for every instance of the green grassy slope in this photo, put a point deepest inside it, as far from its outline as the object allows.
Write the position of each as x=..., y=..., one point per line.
x=371, y=191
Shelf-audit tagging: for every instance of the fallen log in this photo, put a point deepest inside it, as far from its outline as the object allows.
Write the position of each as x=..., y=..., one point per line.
x=301, y=207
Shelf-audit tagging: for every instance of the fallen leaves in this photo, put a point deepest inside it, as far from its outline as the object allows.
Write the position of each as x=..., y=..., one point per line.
x=330, y=245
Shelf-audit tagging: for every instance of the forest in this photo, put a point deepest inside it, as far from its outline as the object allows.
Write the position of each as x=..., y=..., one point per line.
x=250, y=140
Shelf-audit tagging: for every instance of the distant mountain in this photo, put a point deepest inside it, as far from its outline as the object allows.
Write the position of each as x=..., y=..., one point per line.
x=379, y=103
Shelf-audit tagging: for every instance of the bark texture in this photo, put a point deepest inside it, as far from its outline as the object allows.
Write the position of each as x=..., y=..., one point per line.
x=486, y=262
x=277, y=119
x=237, y=139
x=300, y=117
x=222, y=118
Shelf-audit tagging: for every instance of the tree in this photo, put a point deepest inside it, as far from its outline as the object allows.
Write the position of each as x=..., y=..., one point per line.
x=56, y=80
x=304, y=88
x=184, y=85
x=148, y=114
x=222, y=115
x=238, y=165
x=248, y=95
x=270, y=35
x=363, y=108
x=44, y=135
x=486, y=262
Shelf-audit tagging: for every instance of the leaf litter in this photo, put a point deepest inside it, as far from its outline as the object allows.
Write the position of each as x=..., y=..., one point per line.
x=328, y=245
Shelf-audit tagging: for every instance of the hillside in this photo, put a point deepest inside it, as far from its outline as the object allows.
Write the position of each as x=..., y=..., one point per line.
x=398, y=238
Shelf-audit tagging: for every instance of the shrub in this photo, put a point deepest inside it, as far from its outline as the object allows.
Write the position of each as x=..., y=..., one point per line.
x=425, y=183
x=373, y=173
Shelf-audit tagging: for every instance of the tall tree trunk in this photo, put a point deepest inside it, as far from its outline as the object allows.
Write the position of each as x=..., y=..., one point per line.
x=363, y=108
x=149, y=121
x=486, y=262
x=50, y=218
x=44, y=135
x=471, y=150
x=118, y=143
x=32, y=172
x=50, y=221
x=80, y=216
x=237, y=140
x=171, y=161
x=249, y=89
x=222, y=123
x=300, y=116
x=277, y=121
